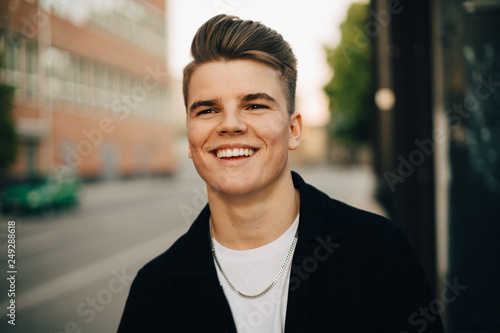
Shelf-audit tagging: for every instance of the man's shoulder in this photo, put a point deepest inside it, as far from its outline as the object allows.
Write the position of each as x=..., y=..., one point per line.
x=361, y=234
x=358, y=218
x=328, y=215
x=182, y=257
x=324, y=204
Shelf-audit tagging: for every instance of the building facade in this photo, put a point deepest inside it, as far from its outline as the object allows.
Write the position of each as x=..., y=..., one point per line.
x=92, y=88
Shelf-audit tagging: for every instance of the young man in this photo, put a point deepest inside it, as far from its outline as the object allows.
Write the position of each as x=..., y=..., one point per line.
x=269, y=253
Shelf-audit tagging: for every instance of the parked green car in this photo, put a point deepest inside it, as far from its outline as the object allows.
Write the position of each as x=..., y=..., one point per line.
x=40, y=193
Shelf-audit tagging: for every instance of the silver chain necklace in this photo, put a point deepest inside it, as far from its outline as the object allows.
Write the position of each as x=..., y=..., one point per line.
x=276, y=279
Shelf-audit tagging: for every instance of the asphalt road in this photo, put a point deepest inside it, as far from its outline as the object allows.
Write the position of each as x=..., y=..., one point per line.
x=74, y=267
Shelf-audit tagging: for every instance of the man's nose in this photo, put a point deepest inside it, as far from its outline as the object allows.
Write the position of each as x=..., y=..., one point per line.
x=232, y=122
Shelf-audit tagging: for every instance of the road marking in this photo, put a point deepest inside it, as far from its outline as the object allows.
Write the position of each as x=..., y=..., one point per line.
x=86, y=275
x=37, y=243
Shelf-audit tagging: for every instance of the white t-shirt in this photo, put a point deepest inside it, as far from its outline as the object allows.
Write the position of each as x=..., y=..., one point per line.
x=251, y=272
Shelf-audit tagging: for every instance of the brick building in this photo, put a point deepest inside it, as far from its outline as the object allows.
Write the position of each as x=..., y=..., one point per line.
x=92, y=89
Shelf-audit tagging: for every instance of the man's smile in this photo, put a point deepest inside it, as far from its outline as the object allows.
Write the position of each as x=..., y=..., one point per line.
x=230, y=151
x=234, y=152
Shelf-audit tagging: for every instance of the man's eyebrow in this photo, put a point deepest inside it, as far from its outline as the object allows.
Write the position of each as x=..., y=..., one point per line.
x=197, y=104
x=252, y=97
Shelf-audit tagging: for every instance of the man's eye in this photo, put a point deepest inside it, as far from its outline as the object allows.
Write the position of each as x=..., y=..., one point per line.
x=205, y=112
x=256, y=107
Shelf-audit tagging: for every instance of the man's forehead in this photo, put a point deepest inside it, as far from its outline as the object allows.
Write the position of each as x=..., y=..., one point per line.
x=232, y=69
x=241, y=79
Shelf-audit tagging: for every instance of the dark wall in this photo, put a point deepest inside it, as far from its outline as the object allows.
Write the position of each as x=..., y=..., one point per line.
x=472, y=44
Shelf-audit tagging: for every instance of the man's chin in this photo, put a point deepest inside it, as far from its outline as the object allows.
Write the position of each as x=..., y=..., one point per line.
x=232, y=189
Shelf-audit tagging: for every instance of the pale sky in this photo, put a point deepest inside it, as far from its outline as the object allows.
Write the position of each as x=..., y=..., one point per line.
x=306, y=25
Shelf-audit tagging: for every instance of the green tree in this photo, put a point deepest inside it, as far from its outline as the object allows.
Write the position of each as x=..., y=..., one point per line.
x=349, y=88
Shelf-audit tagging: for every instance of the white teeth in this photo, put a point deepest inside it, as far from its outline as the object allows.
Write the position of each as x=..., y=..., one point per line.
x=235, y=152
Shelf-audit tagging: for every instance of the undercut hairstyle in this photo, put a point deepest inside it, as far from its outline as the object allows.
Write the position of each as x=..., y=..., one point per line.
x=226, y=38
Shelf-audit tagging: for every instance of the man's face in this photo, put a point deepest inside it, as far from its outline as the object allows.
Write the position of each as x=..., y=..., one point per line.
x=239, y=130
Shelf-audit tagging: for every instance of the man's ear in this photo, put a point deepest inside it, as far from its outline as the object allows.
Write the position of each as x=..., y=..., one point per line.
x=189, y=152
x=295, y=131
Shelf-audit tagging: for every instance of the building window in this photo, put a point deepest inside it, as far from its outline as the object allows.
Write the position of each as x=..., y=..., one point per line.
x=31, y=71
x=12, y=58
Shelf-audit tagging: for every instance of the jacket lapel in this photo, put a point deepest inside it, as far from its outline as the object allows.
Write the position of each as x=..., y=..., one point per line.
x=197, y=264
x=317, y=222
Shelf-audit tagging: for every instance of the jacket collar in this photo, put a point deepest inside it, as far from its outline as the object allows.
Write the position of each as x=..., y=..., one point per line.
x=317, y=220
x=194, y=257
x=317, y=215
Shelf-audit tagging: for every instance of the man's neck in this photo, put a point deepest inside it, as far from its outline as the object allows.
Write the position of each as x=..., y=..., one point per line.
x=256, y=219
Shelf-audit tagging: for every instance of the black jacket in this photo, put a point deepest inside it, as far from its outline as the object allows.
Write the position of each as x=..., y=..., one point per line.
x=353, y=271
